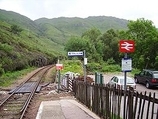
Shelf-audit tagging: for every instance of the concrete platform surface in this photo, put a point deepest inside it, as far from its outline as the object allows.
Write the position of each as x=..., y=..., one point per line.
x=64, y=109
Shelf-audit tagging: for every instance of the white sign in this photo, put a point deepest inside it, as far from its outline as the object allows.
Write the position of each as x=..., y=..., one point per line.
x=75, y=53
x=126, y=64
x=85, y=61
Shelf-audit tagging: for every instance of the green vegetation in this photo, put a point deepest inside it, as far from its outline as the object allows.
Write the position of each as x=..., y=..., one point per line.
x=10, y=77
x=102, y=49
x=25, y=43
x=15, y=29
x=76, y=66
x=62, y=28
x=72, y=66
x=22, y=44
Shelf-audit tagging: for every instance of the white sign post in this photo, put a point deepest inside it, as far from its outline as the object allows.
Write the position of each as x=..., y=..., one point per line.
x=83, y=54
x=126, y=64
x=85, y=61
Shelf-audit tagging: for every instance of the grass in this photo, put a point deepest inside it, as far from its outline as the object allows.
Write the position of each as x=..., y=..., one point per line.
x=10, y=77
x=72, y=66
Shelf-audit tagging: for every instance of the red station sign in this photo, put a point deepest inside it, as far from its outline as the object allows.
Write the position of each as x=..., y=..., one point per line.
x=126, y=46
x=59, y=66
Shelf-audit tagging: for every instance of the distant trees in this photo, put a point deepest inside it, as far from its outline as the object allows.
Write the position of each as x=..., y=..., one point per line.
x=104, y=47
x=99, y=47
x=95, y=50
x=110, y=45
x=146, y=39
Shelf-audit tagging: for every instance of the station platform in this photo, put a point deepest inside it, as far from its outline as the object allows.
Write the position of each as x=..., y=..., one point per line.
x=64, y=109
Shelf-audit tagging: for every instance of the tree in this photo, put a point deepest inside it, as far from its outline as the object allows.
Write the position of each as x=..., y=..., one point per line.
x=96, y=46
x=77, y=44
x=15, y=29
x=92, y=34
x=110, y=45
x=146, y=39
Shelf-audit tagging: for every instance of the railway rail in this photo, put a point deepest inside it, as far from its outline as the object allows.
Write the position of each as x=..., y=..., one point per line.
x=15, y=105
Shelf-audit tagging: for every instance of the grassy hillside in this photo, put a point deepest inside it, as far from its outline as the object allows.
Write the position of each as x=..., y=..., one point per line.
x=22, y=21
x=24, y=42
x=66, y=27
x=105, y=23
x=29, y=46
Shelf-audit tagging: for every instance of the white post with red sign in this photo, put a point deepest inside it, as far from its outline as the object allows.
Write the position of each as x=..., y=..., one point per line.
x=58, y=68
x=126, y=46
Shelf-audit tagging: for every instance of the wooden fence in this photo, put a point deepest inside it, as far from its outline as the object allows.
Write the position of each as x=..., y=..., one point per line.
x=116, y=104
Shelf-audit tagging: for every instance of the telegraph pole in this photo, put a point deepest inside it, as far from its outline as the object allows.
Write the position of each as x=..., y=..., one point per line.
x=84, y=64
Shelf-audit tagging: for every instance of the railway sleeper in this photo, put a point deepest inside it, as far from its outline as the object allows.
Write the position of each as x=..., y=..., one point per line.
x=10, y=116
x=13, y=104
x=9, y=113
x=12, y=108
x=16, y=102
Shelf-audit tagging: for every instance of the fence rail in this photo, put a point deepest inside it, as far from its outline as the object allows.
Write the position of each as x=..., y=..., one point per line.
x=109, y=103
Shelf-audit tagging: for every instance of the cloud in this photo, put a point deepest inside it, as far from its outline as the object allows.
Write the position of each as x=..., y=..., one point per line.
x=126, y=9
x=46, y=8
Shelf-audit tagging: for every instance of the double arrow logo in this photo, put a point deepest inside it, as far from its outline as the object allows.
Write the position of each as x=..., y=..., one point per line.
x=126, y=46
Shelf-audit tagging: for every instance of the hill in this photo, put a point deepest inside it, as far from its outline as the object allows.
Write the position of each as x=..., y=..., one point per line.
x=60, y=29
x=24, y=42
x=24, y=47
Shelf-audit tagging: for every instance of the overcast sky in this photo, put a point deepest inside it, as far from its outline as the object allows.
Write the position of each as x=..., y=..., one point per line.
x=126, y=9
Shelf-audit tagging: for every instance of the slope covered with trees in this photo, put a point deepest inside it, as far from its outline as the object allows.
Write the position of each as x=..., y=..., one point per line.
x=104, y=47
x=24, y=42
x=62, y=28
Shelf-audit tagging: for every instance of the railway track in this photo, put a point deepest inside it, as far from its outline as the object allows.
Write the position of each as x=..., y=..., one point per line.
x=15, y=105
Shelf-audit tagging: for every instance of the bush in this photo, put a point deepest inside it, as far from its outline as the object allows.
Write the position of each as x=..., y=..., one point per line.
x=111, y=68
x=134, y=71
x=6, y=47
x=15, y=29
x=111, y=61
x=93, y=67
x=1, y=70
x=72, y=66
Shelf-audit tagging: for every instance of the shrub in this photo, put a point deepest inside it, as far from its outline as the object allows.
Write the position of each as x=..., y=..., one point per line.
x=15, y=29
x=5, y=47
x=111, y=68
x=111, y=61
x=92, y=67
x=1, y=70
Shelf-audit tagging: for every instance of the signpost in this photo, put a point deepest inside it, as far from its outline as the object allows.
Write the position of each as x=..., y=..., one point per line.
x=84, y=65
x=126, y=46
x=58, y=68
x=83, y=54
